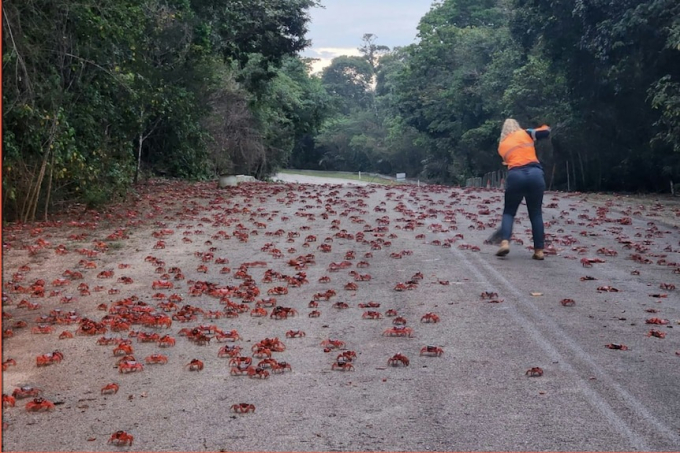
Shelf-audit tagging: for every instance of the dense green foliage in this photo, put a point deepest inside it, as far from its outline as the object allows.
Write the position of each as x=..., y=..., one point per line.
x=99, y=94
x=96, y=92
x=605, y=74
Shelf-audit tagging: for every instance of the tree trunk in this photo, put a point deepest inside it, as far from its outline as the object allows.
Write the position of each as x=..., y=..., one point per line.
x=139, y=147
x=139, y=156
x=552, y=177
x=33, y=196
x=568, y=185
x=583, y=173
x=49, y=188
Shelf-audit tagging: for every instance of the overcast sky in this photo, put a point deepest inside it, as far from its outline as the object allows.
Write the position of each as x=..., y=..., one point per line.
x=338, y=28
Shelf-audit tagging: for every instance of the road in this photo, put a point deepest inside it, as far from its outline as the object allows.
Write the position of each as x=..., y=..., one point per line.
x=308, y=179
x=476, y=396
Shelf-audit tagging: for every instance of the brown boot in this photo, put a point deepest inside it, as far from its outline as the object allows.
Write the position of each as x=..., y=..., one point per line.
x=538, y=254
x=504, y=249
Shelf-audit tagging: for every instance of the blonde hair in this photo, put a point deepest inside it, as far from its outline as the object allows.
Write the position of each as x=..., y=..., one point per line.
x=509, y=126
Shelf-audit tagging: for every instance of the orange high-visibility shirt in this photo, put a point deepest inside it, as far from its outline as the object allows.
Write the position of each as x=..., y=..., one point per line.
x=518, y=149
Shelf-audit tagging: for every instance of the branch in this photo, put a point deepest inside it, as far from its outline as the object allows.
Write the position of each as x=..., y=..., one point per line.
x=20, y=60
x=107, y=71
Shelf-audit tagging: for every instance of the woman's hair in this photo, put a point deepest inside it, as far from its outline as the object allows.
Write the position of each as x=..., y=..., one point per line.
x=509, y=126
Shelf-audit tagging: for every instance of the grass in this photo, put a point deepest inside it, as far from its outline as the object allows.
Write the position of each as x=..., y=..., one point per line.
x=343, y=175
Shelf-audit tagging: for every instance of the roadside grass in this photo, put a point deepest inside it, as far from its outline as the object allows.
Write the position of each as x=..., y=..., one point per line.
x=341, y=175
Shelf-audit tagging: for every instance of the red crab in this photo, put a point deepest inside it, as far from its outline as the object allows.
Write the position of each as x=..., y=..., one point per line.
x=257, y=372
x=430, y=350
x=280, y=367
x=534, y=372
x=160, y=284
x=429, y=317
x=658, y=321
x=258, y=312
x=588, y=262
x=398, y=359
x=39, y=404
x=656, y=333
x=229, y=351
x=399, y=321
x=109, y=389
x=166, y=341
x=370, y=305
x=49, y=358
x=241, y=362
x=607, y=289
x=295, y=334
x=121, y=438
x=333, y=344
x=195, y=365
x=371, y=315
x=278, y=290
x=261, y=352
x=42, y=328
x=619, y=346
x=342, y=366
x=122, y=349
x=156, y=358
x=243, y=408
x=398, y=331
x=228, y=336
x=130, y=366
x=25, y=392
x=240, y=370
x=8, y=401
x=568, y=302
x=346, y=356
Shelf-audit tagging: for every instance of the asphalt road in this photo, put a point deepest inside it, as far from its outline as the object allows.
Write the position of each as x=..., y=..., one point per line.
x=476, y=396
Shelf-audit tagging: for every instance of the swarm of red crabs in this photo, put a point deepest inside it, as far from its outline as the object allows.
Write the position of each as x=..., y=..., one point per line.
x=169, y=313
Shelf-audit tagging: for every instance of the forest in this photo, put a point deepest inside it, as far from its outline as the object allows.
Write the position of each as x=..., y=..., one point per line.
x=100, y=95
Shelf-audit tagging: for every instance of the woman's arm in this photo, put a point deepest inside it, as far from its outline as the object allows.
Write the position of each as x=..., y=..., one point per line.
x=539, y=133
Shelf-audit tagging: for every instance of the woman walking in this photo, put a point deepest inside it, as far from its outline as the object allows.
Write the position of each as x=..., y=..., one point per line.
x=525, y=181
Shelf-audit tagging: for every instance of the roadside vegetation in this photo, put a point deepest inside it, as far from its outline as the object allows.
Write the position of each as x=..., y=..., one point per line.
x=367, y=177
x=97, y=95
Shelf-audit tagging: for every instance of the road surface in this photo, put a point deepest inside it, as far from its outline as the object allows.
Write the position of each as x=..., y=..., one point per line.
x=476, y=396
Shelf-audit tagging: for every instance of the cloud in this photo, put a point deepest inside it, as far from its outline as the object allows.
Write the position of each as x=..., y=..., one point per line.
x=326, y=54
x=338, y=28
x=343, y=23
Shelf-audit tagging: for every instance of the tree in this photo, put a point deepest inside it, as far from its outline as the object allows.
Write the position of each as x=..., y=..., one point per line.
x=348, y=79
x=95, y=92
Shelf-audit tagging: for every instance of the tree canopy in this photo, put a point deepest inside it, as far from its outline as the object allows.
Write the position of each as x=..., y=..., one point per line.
x=97, y=95
x=604, y=74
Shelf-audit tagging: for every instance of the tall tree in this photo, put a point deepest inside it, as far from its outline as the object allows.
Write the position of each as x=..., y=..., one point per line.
x=348, y=79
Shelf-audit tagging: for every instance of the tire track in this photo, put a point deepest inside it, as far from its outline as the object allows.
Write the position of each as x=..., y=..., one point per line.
x=550, y=338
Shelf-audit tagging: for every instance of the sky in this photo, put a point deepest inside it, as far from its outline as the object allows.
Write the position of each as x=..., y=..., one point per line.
x=337, y=29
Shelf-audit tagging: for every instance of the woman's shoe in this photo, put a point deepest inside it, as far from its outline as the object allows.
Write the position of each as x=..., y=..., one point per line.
x=504, y=249
x=538, y=255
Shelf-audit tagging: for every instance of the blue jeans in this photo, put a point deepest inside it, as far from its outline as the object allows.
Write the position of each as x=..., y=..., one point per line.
x=527, y=182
